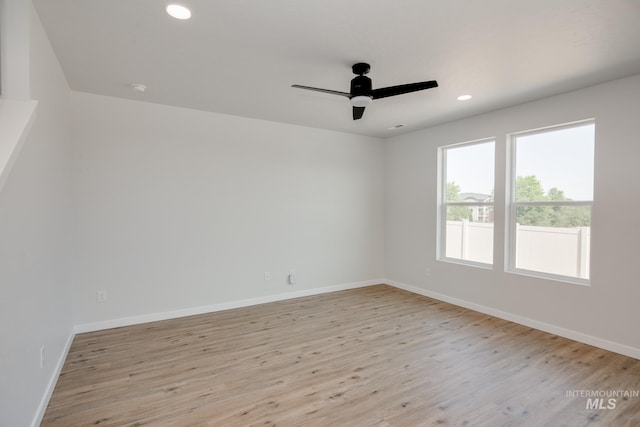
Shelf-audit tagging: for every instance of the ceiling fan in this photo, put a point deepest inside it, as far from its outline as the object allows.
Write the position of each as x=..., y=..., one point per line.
x=362, y=93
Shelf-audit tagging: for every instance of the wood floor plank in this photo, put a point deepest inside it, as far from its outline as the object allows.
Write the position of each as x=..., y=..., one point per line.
x=374, y=356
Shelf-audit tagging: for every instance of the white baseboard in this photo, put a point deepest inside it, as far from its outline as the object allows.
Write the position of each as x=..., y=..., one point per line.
x=114, y=323
x=556, y=330
x=44, y=402
x=154, y=317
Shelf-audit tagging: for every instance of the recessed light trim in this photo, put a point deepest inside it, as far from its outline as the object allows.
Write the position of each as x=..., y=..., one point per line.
x=178, y=11
x=464, y=97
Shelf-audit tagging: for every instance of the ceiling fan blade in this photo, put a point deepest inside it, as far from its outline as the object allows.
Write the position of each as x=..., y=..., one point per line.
x=402, y=89
x=358, y=112
x=333, y=92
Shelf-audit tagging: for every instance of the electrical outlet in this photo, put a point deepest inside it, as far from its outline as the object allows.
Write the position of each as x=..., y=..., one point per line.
x=267, y=275
x=102, y=296
x=292, y=277
x=41, y=357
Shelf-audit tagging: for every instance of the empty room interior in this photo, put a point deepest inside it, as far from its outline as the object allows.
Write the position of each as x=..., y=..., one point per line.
x=319, y=213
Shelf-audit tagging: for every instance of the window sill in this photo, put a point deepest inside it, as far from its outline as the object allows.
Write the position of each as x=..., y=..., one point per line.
x=552, y=277
x=467, y=263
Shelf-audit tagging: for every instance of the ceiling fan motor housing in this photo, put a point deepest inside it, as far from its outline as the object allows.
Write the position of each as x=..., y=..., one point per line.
x=361, y=86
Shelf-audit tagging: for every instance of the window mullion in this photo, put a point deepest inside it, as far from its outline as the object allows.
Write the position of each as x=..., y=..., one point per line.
x=555, y=203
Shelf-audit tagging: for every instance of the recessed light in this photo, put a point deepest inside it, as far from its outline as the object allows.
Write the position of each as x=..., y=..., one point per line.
x=178, y=12
x=396, y=127
x=464, y=97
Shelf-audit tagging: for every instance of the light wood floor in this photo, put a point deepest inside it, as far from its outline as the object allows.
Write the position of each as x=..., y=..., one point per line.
x=375, y=356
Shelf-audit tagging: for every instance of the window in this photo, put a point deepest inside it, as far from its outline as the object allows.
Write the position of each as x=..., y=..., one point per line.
x=466, y=202
x=551, y=195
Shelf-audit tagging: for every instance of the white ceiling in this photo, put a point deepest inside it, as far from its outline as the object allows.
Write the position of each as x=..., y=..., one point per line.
x=240, y=57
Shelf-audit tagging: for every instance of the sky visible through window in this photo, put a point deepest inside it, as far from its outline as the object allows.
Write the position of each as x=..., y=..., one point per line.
x=560, y=158
x=471, y=167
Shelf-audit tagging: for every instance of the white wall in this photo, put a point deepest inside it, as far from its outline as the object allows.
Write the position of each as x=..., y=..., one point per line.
x=606, y=310
x=14, y=49
x=180, y=208
x=35, y=244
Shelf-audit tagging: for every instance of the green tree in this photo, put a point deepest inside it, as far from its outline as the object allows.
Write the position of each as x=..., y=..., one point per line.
x=568, y=216
x=556, y=195
x=456, y=213
x=571, y=216
x=559, y=216
x=529, y=189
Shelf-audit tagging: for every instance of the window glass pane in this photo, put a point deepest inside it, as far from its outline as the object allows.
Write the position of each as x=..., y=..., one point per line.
x=470, y=233
x=554, y=239
x=555, y=165
x=470, y=170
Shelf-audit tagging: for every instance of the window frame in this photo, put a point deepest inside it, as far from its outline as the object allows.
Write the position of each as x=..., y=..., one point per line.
x=512, y=205
x=443, y=204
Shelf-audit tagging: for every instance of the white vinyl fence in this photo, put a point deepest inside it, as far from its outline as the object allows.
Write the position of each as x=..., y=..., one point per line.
x=472, y=241
x=555, y=250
